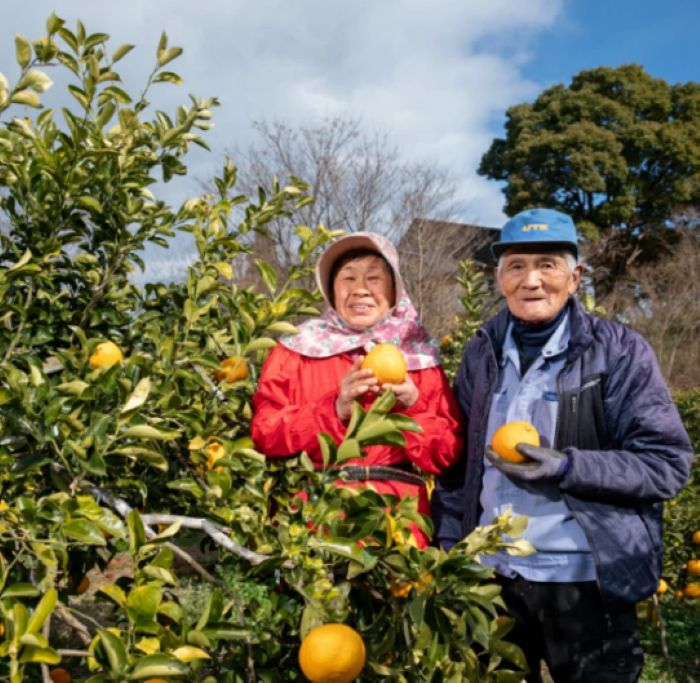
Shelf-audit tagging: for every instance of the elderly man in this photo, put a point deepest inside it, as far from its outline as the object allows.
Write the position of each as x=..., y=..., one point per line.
x=612, y=449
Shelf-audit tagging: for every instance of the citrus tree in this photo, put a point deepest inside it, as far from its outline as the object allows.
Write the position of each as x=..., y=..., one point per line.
x=124, y=422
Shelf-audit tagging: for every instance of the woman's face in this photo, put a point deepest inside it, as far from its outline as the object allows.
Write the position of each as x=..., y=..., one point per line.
x=363, y=291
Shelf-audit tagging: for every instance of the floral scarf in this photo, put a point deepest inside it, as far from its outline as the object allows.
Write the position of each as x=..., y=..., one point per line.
x=330, y=335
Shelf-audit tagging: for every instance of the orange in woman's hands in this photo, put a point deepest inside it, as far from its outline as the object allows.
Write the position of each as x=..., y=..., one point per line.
x=387, y=363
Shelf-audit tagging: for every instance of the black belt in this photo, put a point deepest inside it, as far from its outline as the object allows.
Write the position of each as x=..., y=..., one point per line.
x=381, y=473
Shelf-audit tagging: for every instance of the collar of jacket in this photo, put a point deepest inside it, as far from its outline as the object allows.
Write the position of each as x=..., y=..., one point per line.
x=580, y=335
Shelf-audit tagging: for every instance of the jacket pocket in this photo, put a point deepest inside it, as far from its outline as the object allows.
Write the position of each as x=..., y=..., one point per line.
x=582, y=416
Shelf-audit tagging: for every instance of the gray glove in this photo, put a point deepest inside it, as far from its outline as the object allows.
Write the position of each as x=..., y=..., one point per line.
x=542, y=464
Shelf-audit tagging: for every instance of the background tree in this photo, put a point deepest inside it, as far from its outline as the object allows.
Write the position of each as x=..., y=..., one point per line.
x=618, y=150
x=357, y=180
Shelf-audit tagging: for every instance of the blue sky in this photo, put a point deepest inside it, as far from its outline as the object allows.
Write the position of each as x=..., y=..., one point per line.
x=661, y=36
x=436, y=76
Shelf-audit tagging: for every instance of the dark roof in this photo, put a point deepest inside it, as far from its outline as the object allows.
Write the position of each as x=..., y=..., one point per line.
x=463, y=240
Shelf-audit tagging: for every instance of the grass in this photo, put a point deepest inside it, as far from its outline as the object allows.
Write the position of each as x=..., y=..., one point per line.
x=682, y=620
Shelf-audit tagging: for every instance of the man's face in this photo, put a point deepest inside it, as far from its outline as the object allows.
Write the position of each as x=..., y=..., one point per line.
x=536, y=285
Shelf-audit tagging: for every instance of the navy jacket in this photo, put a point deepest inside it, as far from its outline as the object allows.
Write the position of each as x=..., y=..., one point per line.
x=629, y=450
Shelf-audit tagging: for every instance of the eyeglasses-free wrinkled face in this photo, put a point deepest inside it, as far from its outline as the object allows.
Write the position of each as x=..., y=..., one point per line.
x=363, y=291
x=536, y=286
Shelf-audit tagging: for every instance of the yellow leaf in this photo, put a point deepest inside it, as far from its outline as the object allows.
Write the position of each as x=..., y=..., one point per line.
x=149, y=645
x=187, y=653
x=196, y=443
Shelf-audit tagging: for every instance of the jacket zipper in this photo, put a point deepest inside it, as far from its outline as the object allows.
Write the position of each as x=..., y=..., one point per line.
x=564, y=495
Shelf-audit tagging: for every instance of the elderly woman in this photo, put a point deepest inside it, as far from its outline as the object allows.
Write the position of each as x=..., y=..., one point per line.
x=310, y=380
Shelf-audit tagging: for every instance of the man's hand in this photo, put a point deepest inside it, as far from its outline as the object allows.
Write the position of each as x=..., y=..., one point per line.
x=354, y=384
x=542, y=463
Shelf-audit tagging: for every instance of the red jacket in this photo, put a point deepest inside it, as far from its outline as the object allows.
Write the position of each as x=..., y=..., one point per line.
x=295, y=401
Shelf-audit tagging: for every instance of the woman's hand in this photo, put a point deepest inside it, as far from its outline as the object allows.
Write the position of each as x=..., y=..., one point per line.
x=354, y=384
x=406, y=393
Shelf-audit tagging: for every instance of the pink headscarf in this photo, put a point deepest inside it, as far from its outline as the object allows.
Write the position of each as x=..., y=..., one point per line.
x=330, y=335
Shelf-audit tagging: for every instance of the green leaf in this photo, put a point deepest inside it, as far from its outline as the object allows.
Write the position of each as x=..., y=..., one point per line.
x=137, y=532
x=23, y=51
x=147, y=455
x=168, y=77
x=89, y=202
x=142, y=603
x=39, y=655
x=349, y=449
x=84, y=531
x=168, y=55
x=42, y=610
x=74, y=388
x=53, y=23
x=157, y=665
x=282, y=327
x=115, y=593
x=20, y=590
x=148, y=432
x=260, y=344
x=26, y=97
x=267, y=273
x=36, y=80
x=138, y=395
x=121, y=51
x=114, y=649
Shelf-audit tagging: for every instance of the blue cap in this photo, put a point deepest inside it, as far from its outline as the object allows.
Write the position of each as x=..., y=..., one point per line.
x=547, y=227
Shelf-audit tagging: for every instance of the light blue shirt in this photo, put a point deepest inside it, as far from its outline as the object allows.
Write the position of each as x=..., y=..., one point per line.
x=563, y=553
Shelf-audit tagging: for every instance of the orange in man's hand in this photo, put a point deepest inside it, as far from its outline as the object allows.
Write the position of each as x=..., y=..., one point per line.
x=387, y=363
x=508, y=435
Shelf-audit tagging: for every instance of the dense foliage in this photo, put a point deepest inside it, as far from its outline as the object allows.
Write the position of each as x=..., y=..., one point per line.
x=617, y=149
x=148, y=460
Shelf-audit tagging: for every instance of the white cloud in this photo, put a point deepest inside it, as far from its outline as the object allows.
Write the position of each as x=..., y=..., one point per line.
x=437, y=76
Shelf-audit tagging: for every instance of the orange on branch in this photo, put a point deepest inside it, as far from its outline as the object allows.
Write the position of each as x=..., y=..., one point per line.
x=215, y=451
x=60, y=676
x=662, y=587
x=83, y=586
x=692, y=590
x=693, y=566
x=332, y=653
x=696, y=537
x=232, y=369
x=507, y=436
x=105, y=355
x=387, y=363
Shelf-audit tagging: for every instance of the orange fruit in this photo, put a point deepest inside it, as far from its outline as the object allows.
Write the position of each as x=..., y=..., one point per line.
x=105, y=355
x=696, y=536
x=156, y=680
x=662, y=587
x=332, y=653
x=215, y=451
x=399, y=589
x=693, y=566
x=2, y=630
x=387, y=363
x=692, y=590
x=232, y=369
x=508, y=435
x=83, y=586
x=60, y=676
